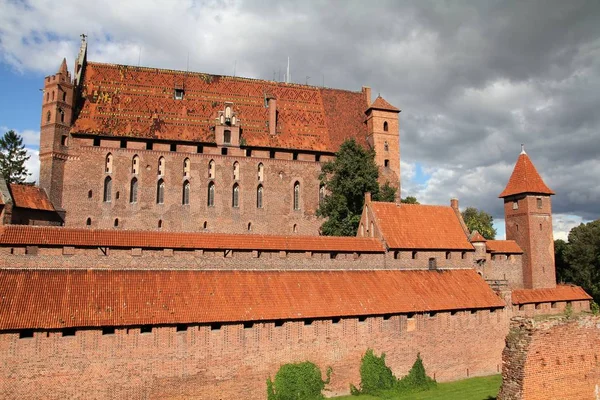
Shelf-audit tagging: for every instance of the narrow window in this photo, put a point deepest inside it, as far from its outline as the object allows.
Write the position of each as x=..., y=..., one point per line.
x=159, y=223
x=414, y=255
x=448, y=255
x=211, y=194
x=116, y=222
x=173, y=147
x=235, y=196
x=161, y=166
x=135, y=165
x=517, y=226
x=88, y=221
x=133, y=191
x=321, y=193
x=386, y=147
x=205, y=225
x=62, y=115
x=160, y=192
x=48, y=116
x=90, y=193
x=63, y=140
x=53, y=95
x=463, y=255
x=515, y=205
x=47, y=96
x=107, y=189
x=109, y=163
x=211, y=169
x=297, y=196
x=178, y=95
x=386, y=163
x=540, y=227
x=261, y=172
x=249, y=226
x=227, y=136
x=539, y=202
x=64, y=96
x=295, y=228
x=186, y=167
x=259, y=196
x=432, y=263
x=385, y=126
x=185, y=198
x=236, y=171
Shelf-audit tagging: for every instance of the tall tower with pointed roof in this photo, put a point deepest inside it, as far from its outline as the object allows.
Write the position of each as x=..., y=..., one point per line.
x=528, y=216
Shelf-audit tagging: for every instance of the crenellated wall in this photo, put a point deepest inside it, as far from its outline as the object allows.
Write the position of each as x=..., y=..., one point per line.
x=224, y=361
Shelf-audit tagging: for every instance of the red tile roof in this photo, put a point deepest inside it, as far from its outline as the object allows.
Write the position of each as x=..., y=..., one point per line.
x=121, y=100
x=525, y=179
x=477, y=238
x=559, y=293
x=381, y=104
x=503, y=246
x=417, y=226
x=29, y=196
x=46, y=299
x=61, y=236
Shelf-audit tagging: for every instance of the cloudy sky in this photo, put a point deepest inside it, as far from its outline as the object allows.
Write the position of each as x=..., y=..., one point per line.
x=474, y=80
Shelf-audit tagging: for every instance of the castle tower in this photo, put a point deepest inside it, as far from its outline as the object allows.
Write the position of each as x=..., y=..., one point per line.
x=57, y=115
x=384, y=136
x=528, y=216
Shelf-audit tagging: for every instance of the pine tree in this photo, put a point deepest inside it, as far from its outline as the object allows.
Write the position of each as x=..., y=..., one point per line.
x=12, y=158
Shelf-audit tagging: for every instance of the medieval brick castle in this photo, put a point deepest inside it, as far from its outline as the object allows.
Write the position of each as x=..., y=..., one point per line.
x=189, y=264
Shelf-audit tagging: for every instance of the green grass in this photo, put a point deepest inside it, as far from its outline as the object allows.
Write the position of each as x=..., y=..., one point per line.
x=482, y=388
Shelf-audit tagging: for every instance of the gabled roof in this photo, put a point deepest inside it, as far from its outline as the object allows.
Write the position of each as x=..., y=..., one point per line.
x=128, y=101
x=93, y=298
x=525, y=179
x=558, y=293
x=417, y=226
x=477, y=238
x=503, y=246
x=381, y=104
x=30, y=196
x=61, y=236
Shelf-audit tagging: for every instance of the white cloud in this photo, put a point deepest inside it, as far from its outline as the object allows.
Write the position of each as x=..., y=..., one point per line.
x=33, y=165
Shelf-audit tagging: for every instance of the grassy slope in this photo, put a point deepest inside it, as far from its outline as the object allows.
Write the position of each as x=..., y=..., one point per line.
x=483, y=388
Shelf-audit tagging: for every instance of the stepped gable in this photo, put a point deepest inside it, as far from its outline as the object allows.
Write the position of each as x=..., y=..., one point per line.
x=558, y=293
x=30, y=196
x=503, y=246
x=381, y=104
x=525, y=179
x=94, y=298
x=137, y=102
x=60, y=236
x=417, y=226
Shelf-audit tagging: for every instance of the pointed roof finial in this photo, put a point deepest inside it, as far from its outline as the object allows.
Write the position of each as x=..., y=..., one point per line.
x=63, y=67
x=523, y=149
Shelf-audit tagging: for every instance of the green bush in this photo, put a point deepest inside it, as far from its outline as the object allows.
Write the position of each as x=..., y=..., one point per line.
x=594, y=308
x=300, y=381
x=569, y=311
x=377, y=378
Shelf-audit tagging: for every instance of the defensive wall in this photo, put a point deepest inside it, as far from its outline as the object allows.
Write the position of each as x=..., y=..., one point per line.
x=552, y=358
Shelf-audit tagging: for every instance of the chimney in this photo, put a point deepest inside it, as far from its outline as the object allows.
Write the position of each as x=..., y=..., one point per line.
x=272, y=104
x=367, y=91
x=454, y=203
x=367, y=197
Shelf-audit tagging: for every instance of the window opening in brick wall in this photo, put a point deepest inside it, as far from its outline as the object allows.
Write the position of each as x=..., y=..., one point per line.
x=396, y=255
x=317, y=157
x=133, y=188
x=64, y=96
x=272, y=154
x=96, y=142
x=107, y=189
x=224, y=151
x=186, y=168
x=321, y=193
x=108, y=330
x=199, y=149
x=178, y=94
x=540, y=227
x=116, y=223
x=295, y=228
x=517, y=226
x=294, y=156
x=161, y=166
x=211, y=169
x=160, y=192
x=123, y=144
x=410, y=315
x=149, y=145
x=386, y=146
x=259, y=196
x=173, y=147
x=521, y=307
x=249, y=226
x=63, y=140
x=463, y=255
x=261, y=172
x=227, y=136
x=62, y=115
x=414, y=255
x=386, y=163
x=236, y=170
x=385, y=126
x=26, y=333
x=117, y=195
x=185, y=197
x=146, y=329
x=235, y=196
x=88, y=221
x=90, y=193
x=68, y=332
x=448, y=255
x=181, y=328
x=211, y=194
x=48, y=116
x=539, y=202
x=205, y=225
x=109, y=163
x=432, y=263
x=159, y=223
x=473, y=311
x=308, y=322
x=297, y=196
x=135, y=164
x=248, y=152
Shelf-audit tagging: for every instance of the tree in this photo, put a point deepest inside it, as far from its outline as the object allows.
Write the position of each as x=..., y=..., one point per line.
x=12, y=158
x=409, y=200
x=562, y=266
x=300, y=381
x=347, y=179
x=582, y=258
x=480, y=221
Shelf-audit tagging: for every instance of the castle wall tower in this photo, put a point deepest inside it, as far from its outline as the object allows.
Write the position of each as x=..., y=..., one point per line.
x=528, y=216
x=384, y=136
x=57, y=115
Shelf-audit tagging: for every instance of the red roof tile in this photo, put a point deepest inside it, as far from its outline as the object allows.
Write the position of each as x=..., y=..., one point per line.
x=503, y=246
x=525, y=179
x=61, y=236
x=119, y=100
x=477, y=238
x=417, y=226
x=29, y=196
x=559, y=293
x=46, y=299
x=381, y=104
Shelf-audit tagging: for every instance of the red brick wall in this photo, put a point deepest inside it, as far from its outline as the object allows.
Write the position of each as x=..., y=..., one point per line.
x=234, y=362
x=501, y=267
x=556, y=358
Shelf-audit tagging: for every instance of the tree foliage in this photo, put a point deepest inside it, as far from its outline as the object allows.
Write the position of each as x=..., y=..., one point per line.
x=409, y=200
x=578, y=261
x=300, y=381
x=12, y=158
x=480, y=221
x=347, y=179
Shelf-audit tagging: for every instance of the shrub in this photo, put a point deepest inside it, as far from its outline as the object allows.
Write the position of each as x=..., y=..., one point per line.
x=569, y=311
x=594, y=308
x=417, y=379
x=300, y=381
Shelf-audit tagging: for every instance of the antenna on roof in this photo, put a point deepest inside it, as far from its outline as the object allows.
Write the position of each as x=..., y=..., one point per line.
x=287, y=76
x=139, y=55
x=523, y=149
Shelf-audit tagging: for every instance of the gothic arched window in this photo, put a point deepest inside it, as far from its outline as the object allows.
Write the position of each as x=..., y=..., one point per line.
x=297, y=196
x=235, y=196
x=160, y=191
x=385, y=126
x=107, y=189
x=261, y=172
x=161, y=166
x=259, y=196
x=133, y=191
x=236, y=170
x=109, y=163
x=135, y=164
x=211, y=169
x=211, y=194
x=185, y=197
x=186, y=167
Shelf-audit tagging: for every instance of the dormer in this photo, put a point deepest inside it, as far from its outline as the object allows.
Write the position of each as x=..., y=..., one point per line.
x=227, y=127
